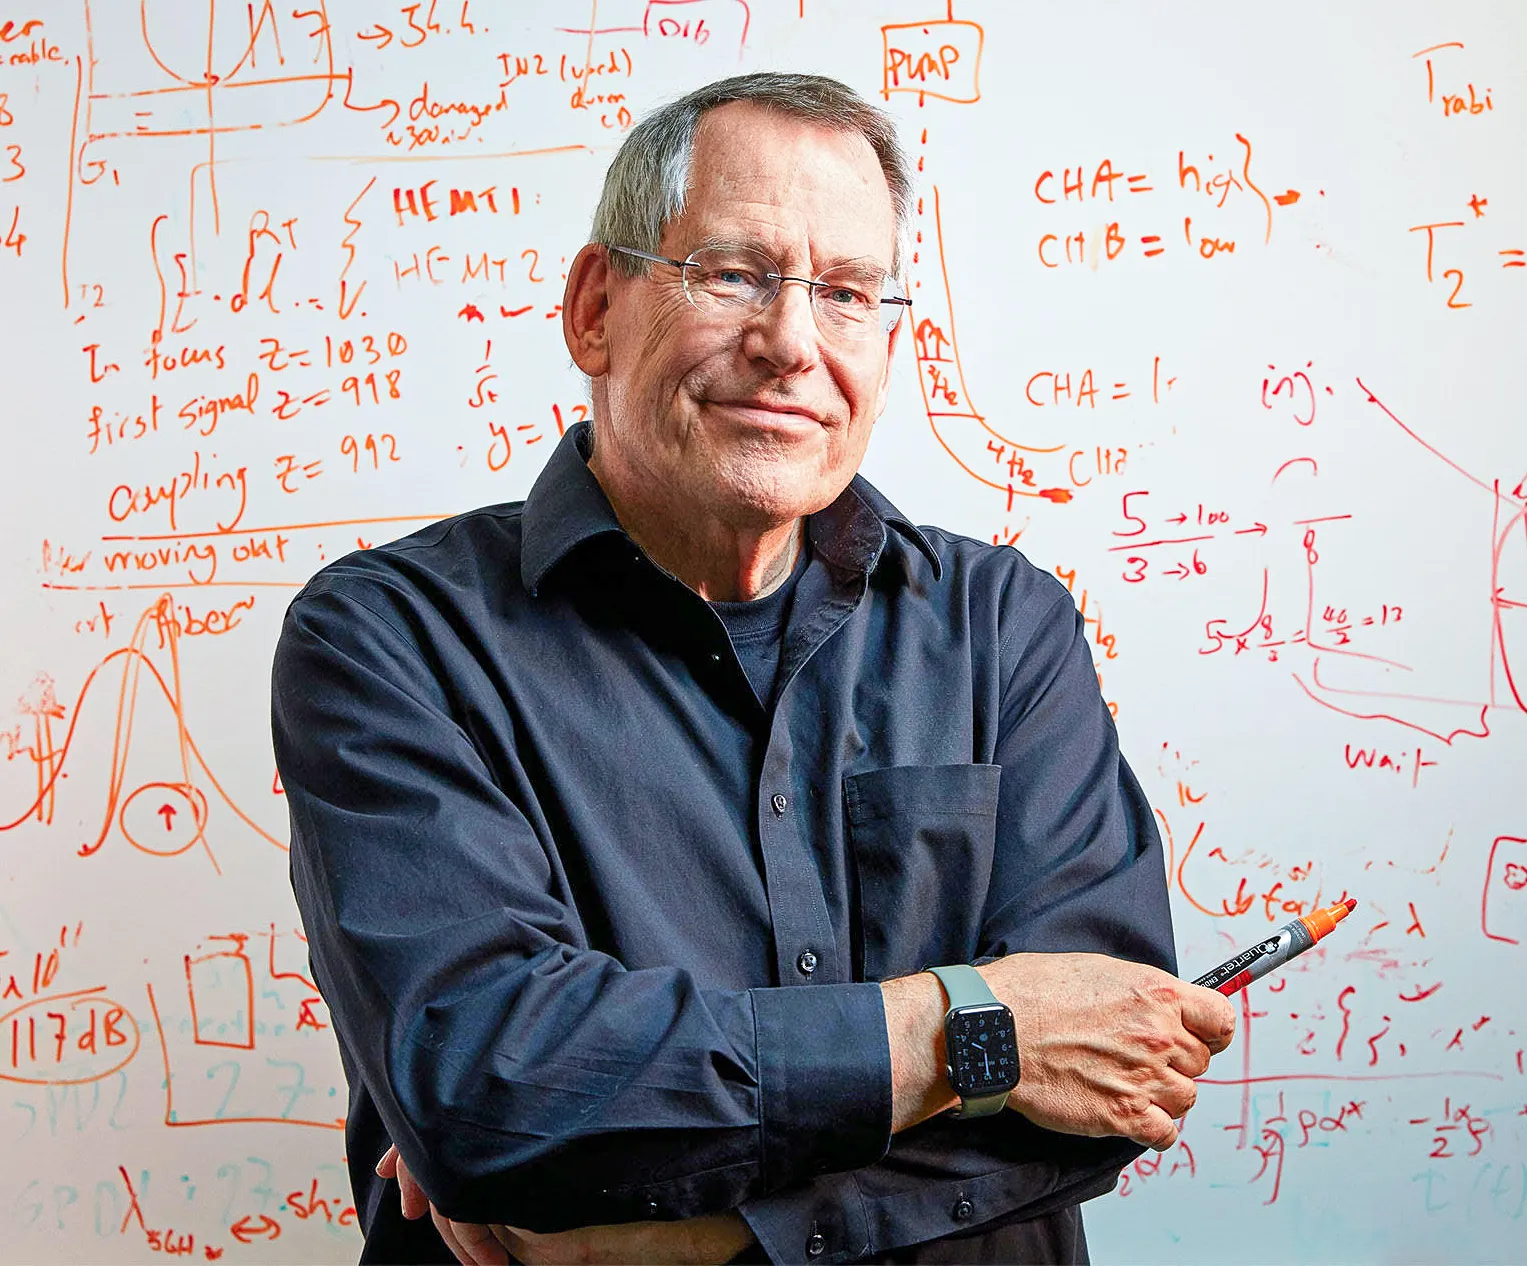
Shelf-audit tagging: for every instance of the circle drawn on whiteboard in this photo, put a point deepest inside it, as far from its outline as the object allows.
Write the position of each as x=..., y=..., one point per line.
x=164, y=818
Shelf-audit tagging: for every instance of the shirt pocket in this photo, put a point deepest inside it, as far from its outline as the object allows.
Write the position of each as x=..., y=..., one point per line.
x=923, y=838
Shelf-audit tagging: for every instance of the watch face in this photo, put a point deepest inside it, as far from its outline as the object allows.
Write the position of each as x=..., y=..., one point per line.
x=983, y=1050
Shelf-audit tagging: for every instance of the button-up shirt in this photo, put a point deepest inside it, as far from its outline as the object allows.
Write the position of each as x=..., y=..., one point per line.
x=600, y=932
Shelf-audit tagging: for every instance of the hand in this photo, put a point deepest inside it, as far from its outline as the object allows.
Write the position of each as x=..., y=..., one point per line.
x=1107, y=1046
x=471, y=1242
x=700, y=1241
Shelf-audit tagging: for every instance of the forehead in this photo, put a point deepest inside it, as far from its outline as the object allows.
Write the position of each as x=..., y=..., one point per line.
x=792, y=186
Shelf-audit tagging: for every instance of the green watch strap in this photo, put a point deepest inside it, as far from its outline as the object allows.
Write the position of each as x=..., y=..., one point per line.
x=964, y=986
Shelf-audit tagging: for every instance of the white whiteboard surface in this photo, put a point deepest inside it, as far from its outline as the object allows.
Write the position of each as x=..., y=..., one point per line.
x=281, y=278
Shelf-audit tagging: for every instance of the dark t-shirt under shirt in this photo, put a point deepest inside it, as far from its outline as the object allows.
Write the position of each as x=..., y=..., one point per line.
x=757, y=630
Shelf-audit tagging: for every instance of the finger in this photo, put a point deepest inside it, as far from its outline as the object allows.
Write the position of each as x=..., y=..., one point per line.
x=1209, y=1016
x=447, y=1231
x=387, y=1167
x=1174, y=1094
x=415, y=1202
x=1155, y=1129
x=1191, y=1058
x=480, y=1244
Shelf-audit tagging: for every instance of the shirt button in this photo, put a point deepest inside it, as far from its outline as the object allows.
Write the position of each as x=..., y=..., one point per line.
x=715, y=658
x=652, y=1209
x=816, y=1244
x=778, y=801
x=962, y=1211
x=807, y=962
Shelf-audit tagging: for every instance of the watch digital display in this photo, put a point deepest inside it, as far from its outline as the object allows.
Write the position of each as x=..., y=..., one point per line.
x=983, y=1050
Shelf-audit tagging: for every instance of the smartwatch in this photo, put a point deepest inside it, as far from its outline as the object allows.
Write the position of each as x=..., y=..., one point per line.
x=981, y=1042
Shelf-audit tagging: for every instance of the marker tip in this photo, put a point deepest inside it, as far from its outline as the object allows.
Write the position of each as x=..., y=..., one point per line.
x=1351, y=904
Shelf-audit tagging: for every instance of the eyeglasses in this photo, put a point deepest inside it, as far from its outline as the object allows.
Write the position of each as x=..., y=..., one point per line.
x=850, y=301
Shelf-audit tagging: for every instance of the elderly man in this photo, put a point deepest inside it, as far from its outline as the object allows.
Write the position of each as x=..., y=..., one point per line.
x=700, y=861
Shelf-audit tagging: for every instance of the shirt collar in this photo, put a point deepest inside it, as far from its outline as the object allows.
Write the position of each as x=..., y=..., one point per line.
x=566, y=507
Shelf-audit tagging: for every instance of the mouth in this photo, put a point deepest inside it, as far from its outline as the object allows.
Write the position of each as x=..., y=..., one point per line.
x=767, y=414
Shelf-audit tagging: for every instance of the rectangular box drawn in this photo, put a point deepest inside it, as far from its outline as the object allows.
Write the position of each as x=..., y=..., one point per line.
x=1503, y=911
x=221, y=989
x=205, y=69
x=934, y=59
x=247, y=1042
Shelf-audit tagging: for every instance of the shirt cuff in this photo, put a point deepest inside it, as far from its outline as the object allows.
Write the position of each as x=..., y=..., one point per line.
x=839, y=1218
x=821, y=1221
x=824, y=1073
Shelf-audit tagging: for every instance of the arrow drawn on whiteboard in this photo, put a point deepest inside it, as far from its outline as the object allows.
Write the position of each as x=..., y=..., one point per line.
x=378, y=33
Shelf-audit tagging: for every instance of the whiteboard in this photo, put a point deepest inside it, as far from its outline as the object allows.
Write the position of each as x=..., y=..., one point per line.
x=282, y=280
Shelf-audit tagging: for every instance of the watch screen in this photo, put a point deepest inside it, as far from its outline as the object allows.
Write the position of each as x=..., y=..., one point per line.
x=983, y=1050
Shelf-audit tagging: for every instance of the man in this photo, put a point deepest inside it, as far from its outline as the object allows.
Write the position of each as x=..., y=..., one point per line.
x=626, y=820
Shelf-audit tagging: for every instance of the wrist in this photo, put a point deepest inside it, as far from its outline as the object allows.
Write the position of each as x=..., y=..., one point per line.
x=981, y=1041
x=914, y=1014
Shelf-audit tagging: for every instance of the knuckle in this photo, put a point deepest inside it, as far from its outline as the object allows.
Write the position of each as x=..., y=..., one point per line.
x=1156, y=989
x=1130, y=1105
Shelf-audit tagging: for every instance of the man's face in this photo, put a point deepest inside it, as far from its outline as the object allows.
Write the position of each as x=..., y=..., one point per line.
x=753, y=419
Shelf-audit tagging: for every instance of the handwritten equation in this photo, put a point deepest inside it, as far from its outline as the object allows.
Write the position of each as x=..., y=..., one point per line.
x=1234, y=370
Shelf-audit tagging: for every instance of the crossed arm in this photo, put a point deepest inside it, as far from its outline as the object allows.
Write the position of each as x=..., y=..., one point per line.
x=475, y=1007
x=1109, y=1048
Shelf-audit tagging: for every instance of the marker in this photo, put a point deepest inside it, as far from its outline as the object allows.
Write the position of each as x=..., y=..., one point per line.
x=1289, y=941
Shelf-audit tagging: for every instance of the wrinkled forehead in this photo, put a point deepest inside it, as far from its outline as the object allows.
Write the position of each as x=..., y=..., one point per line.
x=788, y=185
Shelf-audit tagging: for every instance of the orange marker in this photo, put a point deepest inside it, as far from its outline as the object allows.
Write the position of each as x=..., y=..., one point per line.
x=1289, y=941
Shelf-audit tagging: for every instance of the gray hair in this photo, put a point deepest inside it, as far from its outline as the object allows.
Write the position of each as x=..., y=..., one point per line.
x=646, y=185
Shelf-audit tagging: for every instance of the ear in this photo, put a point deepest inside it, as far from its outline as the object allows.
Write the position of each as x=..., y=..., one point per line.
x=883, y=391
x=586, y=308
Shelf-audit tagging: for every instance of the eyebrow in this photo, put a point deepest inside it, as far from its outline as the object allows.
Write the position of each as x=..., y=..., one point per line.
x=715, y=243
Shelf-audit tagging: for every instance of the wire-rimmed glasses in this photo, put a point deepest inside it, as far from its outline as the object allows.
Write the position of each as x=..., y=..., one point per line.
x=850, y=301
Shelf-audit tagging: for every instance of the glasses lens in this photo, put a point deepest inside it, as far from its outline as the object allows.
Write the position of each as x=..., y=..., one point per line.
x=730, y=277
x=847, y=301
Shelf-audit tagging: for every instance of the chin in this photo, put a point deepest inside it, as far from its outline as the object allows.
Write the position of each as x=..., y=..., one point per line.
x=762, y=493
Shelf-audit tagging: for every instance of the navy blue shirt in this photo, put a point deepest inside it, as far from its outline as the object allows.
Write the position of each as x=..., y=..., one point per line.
x=600, y=932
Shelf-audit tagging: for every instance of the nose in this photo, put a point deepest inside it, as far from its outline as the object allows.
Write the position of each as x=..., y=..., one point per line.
x=784, y=334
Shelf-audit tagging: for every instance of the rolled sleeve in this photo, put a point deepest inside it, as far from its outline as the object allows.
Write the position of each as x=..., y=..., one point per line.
x=824, y=1060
